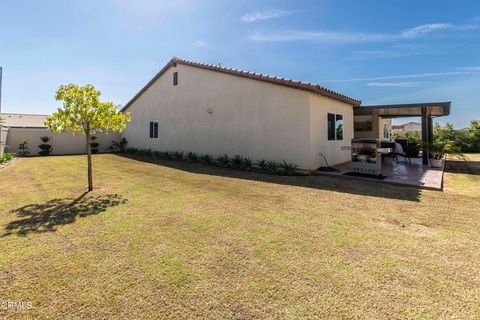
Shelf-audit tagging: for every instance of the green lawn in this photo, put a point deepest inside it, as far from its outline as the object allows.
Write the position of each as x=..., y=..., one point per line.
x=179, y=240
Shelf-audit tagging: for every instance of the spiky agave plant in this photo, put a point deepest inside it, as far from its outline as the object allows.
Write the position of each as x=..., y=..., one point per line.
x=247, y=164
x=262, y=164
x=273, y=167
x=223, y=160
x=237, y=161
x=178, y=155
x=287, y=168
x=206, y=159
x=192, y=156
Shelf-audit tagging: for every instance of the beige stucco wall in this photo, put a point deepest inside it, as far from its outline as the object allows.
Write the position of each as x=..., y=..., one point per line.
x=251, y=118
x=62, y=143
x=319, y=108
x=377, y=129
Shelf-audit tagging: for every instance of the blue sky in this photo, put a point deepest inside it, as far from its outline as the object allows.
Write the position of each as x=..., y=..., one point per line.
x=377, y=51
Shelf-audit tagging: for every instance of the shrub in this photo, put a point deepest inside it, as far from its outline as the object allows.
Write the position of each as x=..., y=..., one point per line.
x=166, y=155
x=132, y=151
x=287, y=168
x=119, y=146
x=223, y=160
x=262, y=164
x=94, y=144
x=145, y=152
x=178, y=155
x=192, y=156
x=7, y=156
x=236, y=161
x=23, y=148
x=272, y=167
x=45, y=148
x=206, y=159
x=158, y=154
x=247, y=164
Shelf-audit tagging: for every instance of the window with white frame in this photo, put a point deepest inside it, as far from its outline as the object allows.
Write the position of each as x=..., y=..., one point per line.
x=335, y=126
x=153, y=129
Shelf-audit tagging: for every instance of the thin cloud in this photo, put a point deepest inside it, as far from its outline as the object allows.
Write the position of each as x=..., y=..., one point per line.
x=348, y=37
x=264, y=15
x=394, y=51
x=474, y=26
x=409, y=76
x=319, y=36
x=397, y=84
x=470, y=69
x=424, y=29
x=199, y=43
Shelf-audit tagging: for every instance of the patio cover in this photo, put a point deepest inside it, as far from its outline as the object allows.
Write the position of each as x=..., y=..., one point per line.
x=432, y=109
x=427, y=111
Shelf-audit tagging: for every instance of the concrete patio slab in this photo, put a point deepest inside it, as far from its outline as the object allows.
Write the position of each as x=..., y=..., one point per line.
x=402, y=173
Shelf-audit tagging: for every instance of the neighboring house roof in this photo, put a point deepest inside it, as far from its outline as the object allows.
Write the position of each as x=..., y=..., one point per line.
x=404, y=126
x=17, y=120
x=307, y=86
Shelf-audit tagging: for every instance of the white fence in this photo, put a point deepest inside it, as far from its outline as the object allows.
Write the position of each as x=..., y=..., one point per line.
x=62, y=143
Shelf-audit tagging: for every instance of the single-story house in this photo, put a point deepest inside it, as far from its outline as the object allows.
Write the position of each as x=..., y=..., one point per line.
x=214, y=110
x=408, y=127
x=31, y=127
x=210, y=109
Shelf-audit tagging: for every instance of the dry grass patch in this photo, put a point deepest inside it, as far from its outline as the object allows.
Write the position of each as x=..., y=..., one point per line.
x=180, y=240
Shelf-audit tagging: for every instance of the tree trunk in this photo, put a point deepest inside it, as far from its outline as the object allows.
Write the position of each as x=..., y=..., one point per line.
x=89, y=159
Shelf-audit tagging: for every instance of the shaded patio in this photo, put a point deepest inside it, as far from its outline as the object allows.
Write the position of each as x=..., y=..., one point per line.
x=402, y=173
x=426, y=111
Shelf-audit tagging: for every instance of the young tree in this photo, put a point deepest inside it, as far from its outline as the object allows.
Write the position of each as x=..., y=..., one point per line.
x=83, y=112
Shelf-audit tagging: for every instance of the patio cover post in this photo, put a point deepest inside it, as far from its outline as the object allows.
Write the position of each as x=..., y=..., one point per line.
x=430, y=130
x=425, y=135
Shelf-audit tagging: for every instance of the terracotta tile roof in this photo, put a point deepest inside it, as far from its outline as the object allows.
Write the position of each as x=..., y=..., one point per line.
x=17, y=120
x=307, y=86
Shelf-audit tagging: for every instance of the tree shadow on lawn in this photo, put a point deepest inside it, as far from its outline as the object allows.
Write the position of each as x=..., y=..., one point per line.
x=46, y=217
x=337, y=184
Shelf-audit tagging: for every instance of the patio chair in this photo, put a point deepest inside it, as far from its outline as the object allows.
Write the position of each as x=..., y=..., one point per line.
x=410, y=150
x=403, y=143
